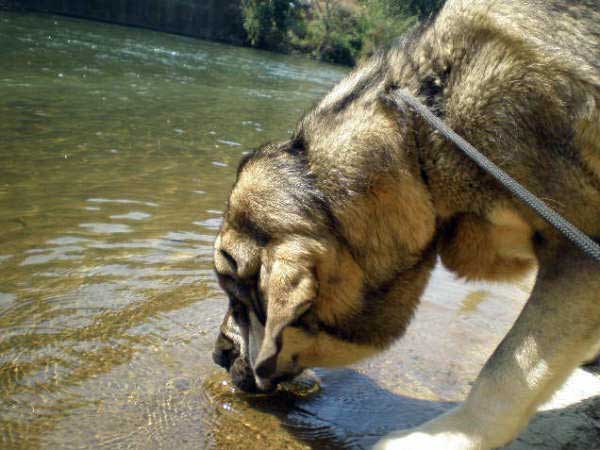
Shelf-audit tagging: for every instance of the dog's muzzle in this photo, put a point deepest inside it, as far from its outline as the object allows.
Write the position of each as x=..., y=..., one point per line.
x=227, y=355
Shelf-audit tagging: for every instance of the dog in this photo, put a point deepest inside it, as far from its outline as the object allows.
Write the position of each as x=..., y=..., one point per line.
x=329, y=237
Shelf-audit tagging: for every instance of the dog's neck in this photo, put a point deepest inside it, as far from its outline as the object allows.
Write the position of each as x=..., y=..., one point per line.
x=456, y=185
x=440, y=165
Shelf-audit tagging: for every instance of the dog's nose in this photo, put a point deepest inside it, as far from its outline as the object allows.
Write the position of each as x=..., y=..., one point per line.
x=242, y=376
x=224, y=352
x=222, y=358
x=266, y=368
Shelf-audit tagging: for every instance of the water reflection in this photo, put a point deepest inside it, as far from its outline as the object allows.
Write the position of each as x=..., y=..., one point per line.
x=132, y=215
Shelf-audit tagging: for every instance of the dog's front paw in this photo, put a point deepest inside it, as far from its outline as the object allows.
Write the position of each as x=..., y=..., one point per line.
x=422, y=440
x=454, y=430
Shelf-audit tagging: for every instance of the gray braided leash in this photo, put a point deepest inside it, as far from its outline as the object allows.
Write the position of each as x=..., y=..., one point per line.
x=583, y=241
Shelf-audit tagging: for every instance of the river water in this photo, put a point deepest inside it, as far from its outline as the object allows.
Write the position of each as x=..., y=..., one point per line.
x=118, y=148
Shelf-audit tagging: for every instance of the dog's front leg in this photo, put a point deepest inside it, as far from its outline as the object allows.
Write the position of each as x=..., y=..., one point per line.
x=555, y=332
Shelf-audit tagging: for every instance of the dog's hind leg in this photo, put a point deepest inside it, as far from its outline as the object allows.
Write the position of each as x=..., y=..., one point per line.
x=557, y=329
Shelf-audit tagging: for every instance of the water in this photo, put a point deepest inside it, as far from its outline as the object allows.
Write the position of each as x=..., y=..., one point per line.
x=118, y=148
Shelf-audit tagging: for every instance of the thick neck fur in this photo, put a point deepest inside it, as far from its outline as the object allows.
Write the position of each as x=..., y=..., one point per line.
x=523, y=106
x=530, y=110
x=526, y=106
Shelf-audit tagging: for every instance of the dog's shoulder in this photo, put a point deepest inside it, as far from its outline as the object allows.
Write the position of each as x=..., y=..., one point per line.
x=521, y=81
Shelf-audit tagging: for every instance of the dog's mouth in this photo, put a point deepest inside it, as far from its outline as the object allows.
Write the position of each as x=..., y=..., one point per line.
x=227, y=355
x=243, y=378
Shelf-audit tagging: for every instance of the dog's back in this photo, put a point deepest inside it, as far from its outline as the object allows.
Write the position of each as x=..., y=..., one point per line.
x=565, y=30
x=521, y=80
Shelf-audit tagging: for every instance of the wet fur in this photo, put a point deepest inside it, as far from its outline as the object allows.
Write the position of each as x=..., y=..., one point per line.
x=334, y=232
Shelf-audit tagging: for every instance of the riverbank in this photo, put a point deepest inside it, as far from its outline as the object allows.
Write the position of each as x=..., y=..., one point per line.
x=215, y=20
x=10, y=5
x=335, y=31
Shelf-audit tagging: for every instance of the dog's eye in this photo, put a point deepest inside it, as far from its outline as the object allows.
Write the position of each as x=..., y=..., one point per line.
x=306, y=321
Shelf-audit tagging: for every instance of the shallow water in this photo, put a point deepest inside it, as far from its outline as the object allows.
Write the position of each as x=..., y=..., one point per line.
x=118, y=149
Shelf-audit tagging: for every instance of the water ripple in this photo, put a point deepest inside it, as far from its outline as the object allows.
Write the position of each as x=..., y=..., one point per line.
x=107, y=289
x=106, y=228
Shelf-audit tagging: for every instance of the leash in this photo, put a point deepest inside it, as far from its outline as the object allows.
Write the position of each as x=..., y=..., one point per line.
x=583, y=241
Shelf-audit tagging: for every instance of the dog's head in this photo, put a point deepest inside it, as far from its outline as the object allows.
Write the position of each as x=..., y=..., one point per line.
x=326, y=244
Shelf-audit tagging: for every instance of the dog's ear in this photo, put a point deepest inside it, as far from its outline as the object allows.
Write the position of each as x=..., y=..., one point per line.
x=291, y=290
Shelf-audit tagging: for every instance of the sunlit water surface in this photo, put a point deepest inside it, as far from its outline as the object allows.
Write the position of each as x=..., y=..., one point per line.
x=118, y=148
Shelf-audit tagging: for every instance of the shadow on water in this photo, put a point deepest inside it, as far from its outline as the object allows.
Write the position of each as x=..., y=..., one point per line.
x=349, y=411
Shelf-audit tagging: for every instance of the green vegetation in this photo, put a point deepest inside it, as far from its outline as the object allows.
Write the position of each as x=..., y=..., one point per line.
x=339, y=31
x=269, y=22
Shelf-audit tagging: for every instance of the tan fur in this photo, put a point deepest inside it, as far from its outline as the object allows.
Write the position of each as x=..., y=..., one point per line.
x=334, y=233
x=322, y=350
x=588, y=137
x=340, y=280
x=496, y=248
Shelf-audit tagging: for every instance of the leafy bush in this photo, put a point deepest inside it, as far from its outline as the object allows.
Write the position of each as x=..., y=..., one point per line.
x=339, y=31
x=383, y=21
x=423, y=8
x=333, y=33
x=267, y=22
